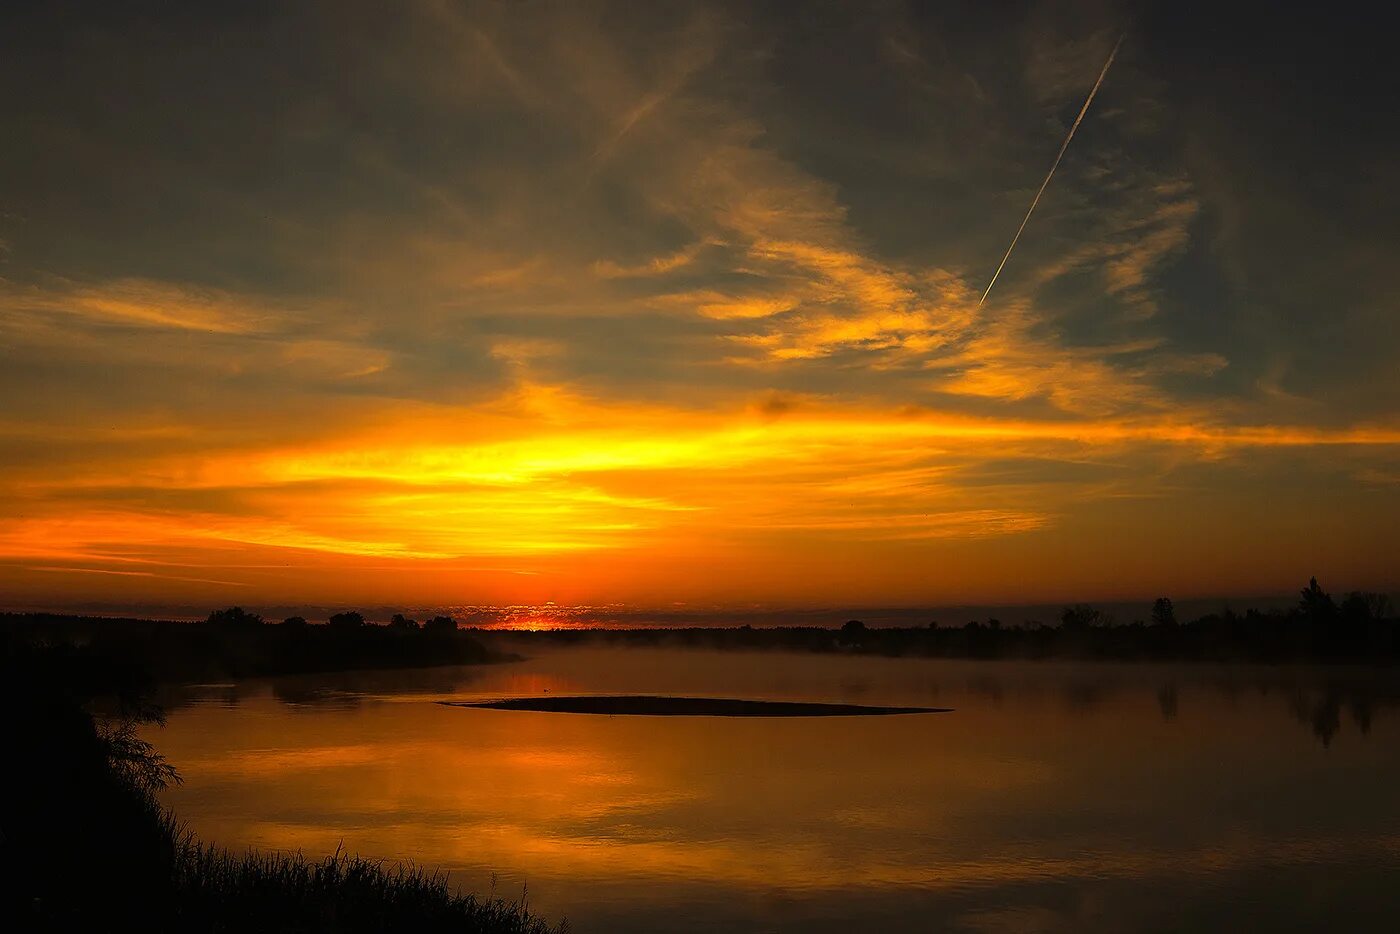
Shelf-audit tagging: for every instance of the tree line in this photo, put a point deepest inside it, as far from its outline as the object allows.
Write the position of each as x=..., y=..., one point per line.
x=235, y=617
x=1360, y=627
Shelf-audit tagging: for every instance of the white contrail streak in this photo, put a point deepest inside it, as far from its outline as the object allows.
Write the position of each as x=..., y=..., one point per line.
x=1048, y=175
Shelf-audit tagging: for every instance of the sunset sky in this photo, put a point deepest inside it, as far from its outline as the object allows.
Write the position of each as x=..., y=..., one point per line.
x=515, y=302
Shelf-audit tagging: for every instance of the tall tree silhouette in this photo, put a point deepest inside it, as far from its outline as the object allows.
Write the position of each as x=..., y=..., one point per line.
x=1315, y=603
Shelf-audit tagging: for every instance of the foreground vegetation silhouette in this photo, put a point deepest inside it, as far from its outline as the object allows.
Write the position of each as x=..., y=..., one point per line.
x=87, y=846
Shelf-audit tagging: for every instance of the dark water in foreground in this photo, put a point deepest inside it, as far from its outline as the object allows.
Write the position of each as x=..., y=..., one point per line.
x=1057, y=797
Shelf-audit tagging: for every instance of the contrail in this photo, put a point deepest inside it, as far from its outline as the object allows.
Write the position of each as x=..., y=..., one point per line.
x=1048, y=175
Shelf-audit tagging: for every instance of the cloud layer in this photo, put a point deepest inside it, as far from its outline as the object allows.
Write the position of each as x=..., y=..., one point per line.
x=518, y=302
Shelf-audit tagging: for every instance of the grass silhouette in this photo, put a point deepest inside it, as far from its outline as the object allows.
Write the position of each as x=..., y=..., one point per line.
x=86, y=845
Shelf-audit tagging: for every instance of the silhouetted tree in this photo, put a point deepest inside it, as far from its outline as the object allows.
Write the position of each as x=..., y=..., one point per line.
x=1315, y=603
x=294, y=622
x=347, y=620
x=1163, y=613
x=440, y=624
x=399, y=621
x=1359, y=606
x=234, y=617
x=1079, y=616
x=853, y=632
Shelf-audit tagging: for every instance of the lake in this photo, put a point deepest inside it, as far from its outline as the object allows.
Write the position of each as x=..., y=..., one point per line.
x=1055, y=797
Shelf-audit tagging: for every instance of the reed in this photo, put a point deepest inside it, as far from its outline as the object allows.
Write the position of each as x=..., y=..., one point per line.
x=214, y=889
x=85, y=843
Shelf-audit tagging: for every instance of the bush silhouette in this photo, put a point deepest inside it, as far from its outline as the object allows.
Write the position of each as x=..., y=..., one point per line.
x=347, y=620
x=440, y=624
x=399, y=621
x=235, y=617
x=1080, y=616
x=852, y=633
x=1360, y=606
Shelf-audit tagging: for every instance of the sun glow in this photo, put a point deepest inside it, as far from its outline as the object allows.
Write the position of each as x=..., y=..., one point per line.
x=650, y=486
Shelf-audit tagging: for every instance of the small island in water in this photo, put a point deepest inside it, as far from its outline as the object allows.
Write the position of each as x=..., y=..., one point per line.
x=643, y=705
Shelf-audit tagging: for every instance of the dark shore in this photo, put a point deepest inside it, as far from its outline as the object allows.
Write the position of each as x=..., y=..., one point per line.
x=172, y=652
x=639, y=705
x=86, y=845
x=1361, y=629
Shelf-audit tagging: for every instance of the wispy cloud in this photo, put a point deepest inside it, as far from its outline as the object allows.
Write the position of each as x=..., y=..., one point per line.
x=144, y=303
x=549, y=304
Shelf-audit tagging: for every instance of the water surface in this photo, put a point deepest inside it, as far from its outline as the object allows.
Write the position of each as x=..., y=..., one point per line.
x=1056, y=797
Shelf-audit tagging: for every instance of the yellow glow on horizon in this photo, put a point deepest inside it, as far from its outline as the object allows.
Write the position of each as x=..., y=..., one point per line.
x=550, y=474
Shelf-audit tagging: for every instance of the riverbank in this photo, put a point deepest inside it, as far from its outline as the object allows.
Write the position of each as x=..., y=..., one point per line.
x=86, y=845
x=169, y=651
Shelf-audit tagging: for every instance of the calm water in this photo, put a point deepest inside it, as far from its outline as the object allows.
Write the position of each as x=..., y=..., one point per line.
x=1056, y=797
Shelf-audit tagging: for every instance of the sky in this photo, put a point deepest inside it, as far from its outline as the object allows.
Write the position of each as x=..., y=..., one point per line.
x=677, y=304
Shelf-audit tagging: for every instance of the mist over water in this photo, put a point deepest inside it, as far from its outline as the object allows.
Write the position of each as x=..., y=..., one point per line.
x=627, y=616
x=1056, y=797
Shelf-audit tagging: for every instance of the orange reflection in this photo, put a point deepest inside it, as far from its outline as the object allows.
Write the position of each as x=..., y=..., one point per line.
x=952, y=802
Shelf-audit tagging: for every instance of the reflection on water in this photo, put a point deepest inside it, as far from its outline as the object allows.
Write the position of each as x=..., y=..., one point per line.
x=1056, y=797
